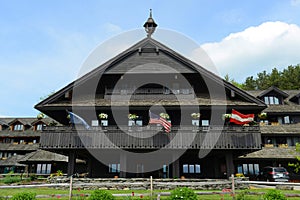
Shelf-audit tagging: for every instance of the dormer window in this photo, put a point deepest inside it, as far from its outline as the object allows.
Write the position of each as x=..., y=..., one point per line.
x=39, y=127
x=271, y=100
x=18, y=127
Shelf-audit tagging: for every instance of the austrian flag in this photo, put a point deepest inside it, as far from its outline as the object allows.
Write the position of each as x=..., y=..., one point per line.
x=239, y=118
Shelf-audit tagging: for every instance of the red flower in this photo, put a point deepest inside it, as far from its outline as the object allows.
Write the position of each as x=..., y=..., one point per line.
x=132, y=193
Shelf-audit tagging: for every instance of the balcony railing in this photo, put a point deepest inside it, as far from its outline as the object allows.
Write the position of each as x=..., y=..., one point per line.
x=151, y=137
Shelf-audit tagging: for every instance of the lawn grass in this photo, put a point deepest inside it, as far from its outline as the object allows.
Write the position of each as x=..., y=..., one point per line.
x=55, y=193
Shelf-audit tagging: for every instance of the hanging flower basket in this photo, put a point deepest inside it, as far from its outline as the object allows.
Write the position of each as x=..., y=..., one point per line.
x=164, y=115
x=195, y=115
x=103, y=116
x=262, y=115
x=40, y=116
x=132, y=116
x=226, y=116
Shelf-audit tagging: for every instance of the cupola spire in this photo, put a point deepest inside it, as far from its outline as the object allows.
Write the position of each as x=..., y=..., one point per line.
x=150, y=25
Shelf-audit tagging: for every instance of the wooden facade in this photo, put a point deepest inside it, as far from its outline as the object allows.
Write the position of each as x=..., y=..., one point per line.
x=175, y=84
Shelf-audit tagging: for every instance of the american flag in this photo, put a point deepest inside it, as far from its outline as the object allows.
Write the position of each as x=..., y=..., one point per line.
x=156, y=119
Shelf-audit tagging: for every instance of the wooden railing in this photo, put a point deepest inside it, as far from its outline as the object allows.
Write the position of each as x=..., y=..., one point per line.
x=148, y=91
x=189, y=137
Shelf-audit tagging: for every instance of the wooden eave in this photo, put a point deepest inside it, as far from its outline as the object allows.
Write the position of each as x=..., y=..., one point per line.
x=276, y=90
x=273, y=153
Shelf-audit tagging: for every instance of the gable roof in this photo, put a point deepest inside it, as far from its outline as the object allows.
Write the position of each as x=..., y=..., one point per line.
x=273, y=89
x=12, y=161
x=24, y=121
x=295, y=98
x=149, y=45
x=43, y=156
x=3, y=123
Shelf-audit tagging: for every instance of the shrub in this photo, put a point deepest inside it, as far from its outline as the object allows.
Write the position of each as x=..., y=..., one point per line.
x=243, y=195
x=101, y=194
x=183, y=193
x=11, y=179
x=32, y=177
x=274, y=195
x=24, y=196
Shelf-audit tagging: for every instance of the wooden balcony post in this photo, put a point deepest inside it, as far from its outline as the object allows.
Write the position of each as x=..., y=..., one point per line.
x=71, y=162
x=123, y=165
x=229, y=164
x=175, y=167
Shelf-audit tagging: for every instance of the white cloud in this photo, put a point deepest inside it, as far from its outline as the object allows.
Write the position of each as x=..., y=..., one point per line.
x=263, y=47
x=112, y=28
x=295, y=2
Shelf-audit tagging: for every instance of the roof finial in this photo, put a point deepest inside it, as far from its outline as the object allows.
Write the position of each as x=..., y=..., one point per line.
x=150, y=25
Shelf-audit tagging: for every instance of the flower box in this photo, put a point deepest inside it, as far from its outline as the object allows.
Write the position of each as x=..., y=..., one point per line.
x=103, y=116
x=195, y=115
x=164, y=115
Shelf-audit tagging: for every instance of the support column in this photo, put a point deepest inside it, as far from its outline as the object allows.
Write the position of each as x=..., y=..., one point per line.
x=90, y=167
x=123, y=165
x=175, y=167
x=71, y=163
x=229, y=164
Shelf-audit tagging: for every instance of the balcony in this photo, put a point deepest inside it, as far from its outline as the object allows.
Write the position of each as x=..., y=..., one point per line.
x=151, y=137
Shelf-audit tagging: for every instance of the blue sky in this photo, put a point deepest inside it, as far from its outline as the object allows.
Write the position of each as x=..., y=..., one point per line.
x=44, y=43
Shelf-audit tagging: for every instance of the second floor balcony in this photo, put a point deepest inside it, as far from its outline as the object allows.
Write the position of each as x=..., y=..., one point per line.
x=152, y=137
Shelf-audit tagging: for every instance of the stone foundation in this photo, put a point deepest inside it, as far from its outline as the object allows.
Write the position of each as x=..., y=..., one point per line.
x=144, y=184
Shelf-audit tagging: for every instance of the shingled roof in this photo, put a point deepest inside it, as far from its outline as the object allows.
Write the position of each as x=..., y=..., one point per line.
x=12, y=161
x=273, y=153
x=288, y=106
x=281, y=129
x=43, y=156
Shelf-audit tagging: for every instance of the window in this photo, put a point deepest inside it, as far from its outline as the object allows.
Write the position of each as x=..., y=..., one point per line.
x=114, y=168
x=39, y=127
x=185, y=168
x=286, y=119
x=271, y=100
x=139, y=122
x=195, y=122
x=18, y=127
x=191, y=168
x=240, y=169
x=43, y=169
x=95, y=123
x=131, y=123
x=197, y=169
x=248, y=169
x=266, y=100
x=205, y=122
x=104, y=122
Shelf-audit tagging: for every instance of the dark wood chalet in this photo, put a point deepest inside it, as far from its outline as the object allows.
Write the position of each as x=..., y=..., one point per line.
x=280, y=132
x=151, y=76
x=18, y=137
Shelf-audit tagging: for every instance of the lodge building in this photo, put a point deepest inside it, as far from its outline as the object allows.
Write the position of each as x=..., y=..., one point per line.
x=128, y=146
x=115, y=98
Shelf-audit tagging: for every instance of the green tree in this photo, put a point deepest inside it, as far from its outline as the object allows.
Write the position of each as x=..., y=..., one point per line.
x=296, y=165
x=263, y=80
x=291, y=77
x=275, y=78
x=288, y=79
x=250, y=84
